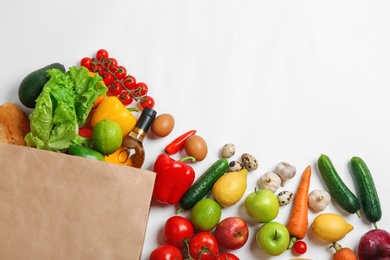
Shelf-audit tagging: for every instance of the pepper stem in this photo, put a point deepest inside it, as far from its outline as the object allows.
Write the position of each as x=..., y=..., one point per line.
x=131, y=109
x=188, y=158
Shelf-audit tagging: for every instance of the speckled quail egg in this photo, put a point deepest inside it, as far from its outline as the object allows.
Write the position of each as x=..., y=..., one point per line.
x=249, y=161
x=285, y=197
x=235, y=166
x=228, y=150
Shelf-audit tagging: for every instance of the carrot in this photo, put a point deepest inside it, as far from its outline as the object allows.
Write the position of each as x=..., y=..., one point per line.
x=343, y=253
x=298, y=222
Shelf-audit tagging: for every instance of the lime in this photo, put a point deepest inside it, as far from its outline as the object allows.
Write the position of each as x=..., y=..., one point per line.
x=205, y=214
x=107, y=136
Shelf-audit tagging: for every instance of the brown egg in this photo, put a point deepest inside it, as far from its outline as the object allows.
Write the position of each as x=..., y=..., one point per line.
x=163, y=125
x=196, y=146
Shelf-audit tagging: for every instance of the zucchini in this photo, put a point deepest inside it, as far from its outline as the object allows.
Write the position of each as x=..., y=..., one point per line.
x=339, y=192
x=32, y=84
x=366, y=190
x=203, y=184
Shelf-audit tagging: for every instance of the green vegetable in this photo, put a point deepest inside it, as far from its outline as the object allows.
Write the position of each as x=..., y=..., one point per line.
x=366, y=190
x=339, y=192
x=57, y=116
x=204, y=184
x=85, y=152
x=31, y=86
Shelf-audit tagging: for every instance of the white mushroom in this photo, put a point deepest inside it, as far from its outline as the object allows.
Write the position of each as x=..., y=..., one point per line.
x=286, y=171
x=318, y=200
x=270, y=181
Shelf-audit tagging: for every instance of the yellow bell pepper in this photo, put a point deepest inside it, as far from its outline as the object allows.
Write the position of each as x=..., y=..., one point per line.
x=112, y=108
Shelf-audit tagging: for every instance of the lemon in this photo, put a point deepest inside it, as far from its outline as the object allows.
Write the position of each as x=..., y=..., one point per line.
x=107, y=136
x=205, y=214
x=330, y=227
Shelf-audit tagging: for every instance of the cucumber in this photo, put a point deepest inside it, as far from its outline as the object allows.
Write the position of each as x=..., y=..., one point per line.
x=203, y=184
x=31, y=86
x=339, y=192
x=85, y=152
x=366, y=190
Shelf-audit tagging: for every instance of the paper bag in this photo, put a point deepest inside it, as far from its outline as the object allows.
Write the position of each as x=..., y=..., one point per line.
x=58, y=206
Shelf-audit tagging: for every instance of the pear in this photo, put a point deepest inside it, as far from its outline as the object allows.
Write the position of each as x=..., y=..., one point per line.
x=230, y=188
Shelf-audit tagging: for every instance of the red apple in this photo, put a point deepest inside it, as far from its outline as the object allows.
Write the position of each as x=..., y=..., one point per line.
x=375, y=244
x=232, y=233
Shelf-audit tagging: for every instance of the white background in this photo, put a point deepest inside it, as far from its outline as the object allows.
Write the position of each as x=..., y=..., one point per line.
x=282, y=80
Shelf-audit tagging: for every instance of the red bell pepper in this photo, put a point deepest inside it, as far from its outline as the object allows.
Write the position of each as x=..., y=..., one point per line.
x=173, y=178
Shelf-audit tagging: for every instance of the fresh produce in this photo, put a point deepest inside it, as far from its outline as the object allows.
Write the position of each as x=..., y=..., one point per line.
x=226, y=256
x=285, y=171
x=272, y=238
x=173, y=178
x=203, y=185
x=262, y=205
x=203, y=246
x=166, y=252
x=366, y=190
x=285, y=197
x=111, y=108
x=228, y=150
x=319, y=200
x=55, y=127
x=298, y=221
x=163, y=125
x=205, y=214
x=330, y=227
x=232, y=233
x=249, y=161
x=230, y=188
x=32, y=84
x=178, y=143
x=339, y=192
x=270, y=181
x=374, y=244
x=196, y=146
x=119, y=83
x=343, y=253
x=177, y=230
x=299, y=247
x=107, y=136
x=14, y=124
x=85, y=152
x=85, y=132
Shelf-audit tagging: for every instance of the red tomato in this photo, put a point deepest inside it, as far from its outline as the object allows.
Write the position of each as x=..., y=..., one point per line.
x=86, y=62
x=85, y=132
x=140, y=89
x=108, y=78
x=176, y=230
x=111, y=64
x=115, y=88
x=120, y=72
x=125, y=97
x=203, y=246
x=166, y=252
x=226, y=256
x=299, y=247
x=147, y=101
x=101, y=54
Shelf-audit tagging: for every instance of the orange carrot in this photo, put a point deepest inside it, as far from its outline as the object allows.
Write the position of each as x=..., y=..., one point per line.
x=343, y=253
x=298, y=222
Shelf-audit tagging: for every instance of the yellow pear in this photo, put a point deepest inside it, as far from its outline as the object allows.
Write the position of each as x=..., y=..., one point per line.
x=230, y=188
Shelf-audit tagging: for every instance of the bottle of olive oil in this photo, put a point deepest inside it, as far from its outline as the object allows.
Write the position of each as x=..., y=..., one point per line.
x=133, y=142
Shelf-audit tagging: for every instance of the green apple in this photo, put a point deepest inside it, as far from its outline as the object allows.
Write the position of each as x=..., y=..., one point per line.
x=273, y=238
x=262, y=205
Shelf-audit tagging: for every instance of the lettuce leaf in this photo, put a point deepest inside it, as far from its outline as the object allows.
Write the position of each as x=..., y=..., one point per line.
x=63, y=106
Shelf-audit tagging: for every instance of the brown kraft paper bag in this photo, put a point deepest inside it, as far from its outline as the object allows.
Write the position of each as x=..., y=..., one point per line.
x=58, y=206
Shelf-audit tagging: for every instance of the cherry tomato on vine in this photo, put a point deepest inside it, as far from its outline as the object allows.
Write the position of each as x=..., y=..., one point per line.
x=120, y=72
x=147, y=101
x=140, y=89
x=101, y=54
x=176, y=230
x=226, y=256
x=108, y=78
x=86, y=62
x=166, y=252
x=129, y=82
x=203, y=246
x=125, y=97
x=299, y=247
x=111, y=64
x=115, y=88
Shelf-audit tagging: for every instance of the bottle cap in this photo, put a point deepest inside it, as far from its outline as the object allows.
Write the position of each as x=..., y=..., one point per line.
x=146, y=119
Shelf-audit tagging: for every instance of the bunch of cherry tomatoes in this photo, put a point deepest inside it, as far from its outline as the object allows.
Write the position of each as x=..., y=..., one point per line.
x=182, y=242
x=117, y=80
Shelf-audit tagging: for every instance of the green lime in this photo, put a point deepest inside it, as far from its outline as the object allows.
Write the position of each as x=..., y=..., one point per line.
x=205, y=214
x=107, y=136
